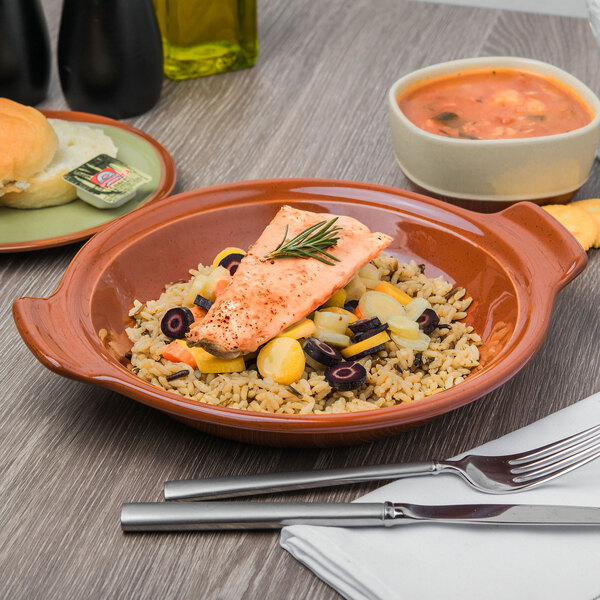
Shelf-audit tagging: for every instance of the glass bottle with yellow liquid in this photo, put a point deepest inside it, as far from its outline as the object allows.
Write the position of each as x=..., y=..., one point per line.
x=204, y=37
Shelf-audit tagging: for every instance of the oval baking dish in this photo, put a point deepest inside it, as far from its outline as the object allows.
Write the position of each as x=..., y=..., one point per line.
x=512, y=263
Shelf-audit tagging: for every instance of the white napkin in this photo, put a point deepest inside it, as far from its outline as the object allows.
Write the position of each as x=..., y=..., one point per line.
x=430, y=560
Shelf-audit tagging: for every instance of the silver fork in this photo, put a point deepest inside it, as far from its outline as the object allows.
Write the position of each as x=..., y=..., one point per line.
x=492, y=474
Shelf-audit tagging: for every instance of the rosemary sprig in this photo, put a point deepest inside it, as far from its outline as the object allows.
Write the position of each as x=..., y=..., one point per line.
x=311, y=243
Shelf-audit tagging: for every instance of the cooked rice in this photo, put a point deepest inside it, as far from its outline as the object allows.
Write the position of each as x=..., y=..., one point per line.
x=393, y=377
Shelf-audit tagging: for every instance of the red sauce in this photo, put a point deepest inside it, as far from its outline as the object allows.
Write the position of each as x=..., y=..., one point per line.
x=494, y=104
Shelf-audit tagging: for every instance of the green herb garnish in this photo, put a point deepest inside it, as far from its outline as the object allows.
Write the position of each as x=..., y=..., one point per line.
x=311, y=243
x=444, y=117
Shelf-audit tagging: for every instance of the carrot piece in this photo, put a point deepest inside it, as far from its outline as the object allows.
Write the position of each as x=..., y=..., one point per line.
x=198, y=311
x=358, y=313
x=176, y=352
x=221, y=285
x=199, y=314
x=391, y=290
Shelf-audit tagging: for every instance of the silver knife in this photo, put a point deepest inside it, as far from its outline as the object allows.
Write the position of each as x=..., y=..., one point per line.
x=199, y=516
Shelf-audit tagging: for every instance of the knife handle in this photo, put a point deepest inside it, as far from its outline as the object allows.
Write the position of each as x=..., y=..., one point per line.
x=199, y=516
x=249, y=485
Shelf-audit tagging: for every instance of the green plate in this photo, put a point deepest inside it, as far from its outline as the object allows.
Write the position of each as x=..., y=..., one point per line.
x=58, y=225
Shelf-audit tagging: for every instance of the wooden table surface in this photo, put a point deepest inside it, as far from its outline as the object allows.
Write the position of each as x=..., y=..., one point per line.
x=313, y=106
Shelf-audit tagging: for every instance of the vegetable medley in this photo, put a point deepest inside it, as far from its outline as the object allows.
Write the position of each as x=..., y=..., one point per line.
x=357, y=321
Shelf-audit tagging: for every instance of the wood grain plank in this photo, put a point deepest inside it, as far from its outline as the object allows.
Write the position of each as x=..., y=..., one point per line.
x=314, y=105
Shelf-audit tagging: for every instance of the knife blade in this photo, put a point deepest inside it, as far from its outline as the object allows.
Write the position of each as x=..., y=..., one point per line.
x=201, y=516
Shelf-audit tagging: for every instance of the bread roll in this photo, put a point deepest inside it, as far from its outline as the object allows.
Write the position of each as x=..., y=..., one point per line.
x=27, y=144
x=77, y=144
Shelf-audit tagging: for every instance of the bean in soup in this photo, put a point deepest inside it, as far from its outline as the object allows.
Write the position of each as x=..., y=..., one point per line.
x=494, y=104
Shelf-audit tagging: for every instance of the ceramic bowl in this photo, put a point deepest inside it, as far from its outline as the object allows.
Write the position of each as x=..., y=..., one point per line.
x=512, y=263
x=495, y=173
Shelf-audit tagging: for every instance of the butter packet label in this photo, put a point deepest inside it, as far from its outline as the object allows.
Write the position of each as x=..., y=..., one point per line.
x=106, y=182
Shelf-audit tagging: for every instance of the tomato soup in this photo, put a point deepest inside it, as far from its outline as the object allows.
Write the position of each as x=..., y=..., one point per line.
x=494, y=104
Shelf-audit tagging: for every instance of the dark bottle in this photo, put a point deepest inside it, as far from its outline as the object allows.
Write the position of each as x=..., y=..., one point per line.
x=110, y=56
x=24, y=51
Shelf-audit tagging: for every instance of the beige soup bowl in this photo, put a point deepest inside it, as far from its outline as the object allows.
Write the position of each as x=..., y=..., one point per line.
x=539, y=169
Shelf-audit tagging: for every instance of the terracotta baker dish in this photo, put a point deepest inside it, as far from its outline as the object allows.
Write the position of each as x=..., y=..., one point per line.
x=512, y=263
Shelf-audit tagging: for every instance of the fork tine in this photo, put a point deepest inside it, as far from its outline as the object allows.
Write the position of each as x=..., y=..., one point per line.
x=559, y=468
x=543, y=451
x=550, y=459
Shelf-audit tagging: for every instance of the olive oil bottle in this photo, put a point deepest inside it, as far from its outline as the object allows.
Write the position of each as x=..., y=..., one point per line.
x=204, y=37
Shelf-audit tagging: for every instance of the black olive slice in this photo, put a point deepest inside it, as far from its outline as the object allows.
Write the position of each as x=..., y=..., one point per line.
x=176, y=322
x=365, y=324
x=346, y=376
x=368, y=351
x=428, y=321
x=363, y=335
x=203, y=302
x=231, y=262
x=351, y=305
x=321, y=352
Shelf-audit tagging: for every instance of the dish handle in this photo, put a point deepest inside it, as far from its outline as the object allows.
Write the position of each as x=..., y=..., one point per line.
x=547, y=247
x=62, y=347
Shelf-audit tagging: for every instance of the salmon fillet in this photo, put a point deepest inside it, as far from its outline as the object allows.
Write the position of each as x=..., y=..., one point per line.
x=266, y=296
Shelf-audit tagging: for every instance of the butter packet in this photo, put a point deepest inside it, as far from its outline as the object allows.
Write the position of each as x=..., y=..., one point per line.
x=106, y=182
